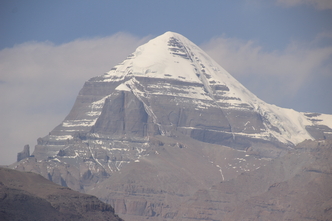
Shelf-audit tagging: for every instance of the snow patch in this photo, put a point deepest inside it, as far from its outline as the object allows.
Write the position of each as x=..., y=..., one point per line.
x=122, y=87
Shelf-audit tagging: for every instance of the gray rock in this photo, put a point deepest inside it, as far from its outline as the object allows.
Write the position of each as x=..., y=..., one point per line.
x=24, y=154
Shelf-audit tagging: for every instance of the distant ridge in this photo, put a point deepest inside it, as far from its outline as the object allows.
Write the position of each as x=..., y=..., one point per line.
x=28, y=196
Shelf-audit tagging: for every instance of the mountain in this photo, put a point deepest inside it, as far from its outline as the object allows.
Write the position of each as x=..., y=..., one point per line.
x=166, y=122
x=29, y=196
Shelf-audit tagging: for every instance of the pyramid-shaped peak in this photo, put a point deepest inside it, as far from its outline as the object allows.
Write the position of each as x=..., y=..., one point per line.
x=169, y=34
x=169, y=40
x=172, y=56
x=174, y=59
x=169, y=55
x=171, y=87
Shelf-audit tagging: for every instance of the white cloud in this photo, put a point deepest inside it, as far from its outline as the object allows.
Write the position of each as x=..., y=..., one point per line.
x=319, y=4
x=277, y=76
x=39, y=82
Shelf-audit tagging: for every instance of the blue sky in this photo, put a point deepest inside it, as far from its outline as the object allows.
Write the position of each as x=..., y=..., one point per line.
x=270, y=23
x=281, y=50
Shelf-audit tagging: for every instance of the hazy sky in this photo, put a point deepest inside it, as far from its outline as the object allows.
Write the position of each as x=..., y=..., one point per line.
x=281, y=50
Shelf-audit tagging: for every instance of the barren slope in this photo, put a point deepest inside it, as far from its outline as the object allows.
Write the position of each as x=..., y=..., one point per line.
x=29, y=196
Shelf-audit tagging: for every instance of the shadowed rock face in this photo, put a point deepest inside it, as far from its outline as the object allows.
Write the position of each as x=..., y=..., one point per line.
x=28, y=196
x=155, y=133
x=122, y=115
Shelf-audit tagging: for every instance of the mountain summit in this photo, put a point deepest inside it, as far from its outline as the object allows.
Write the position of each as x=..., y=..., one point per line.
x=169, y=86
x=167, y=109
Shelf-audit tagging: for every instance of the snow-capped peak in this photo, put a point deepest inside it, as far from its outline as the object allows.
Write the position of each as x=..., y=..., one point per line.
x=174, y=57
x=172, y=68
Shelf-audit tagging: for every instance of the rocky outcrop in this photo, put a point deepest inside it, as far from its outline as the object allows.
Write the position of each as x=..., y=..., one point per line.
x=24, y=154
x=28, y=196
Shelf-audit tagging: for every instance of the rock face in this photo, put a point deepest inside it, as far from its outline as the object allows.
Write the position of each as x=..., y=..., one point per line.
x=165, y=123
x=24, y=154
x=28, y=196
